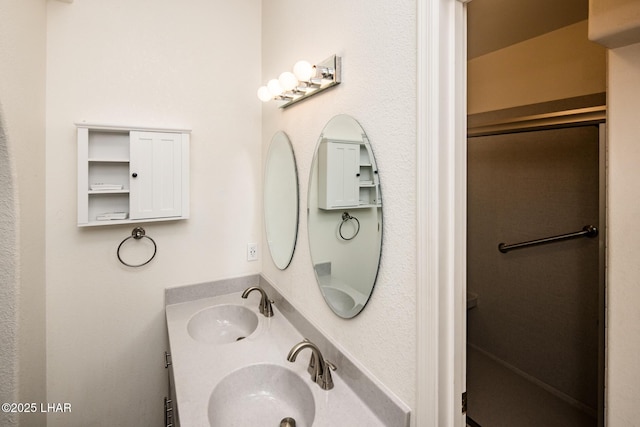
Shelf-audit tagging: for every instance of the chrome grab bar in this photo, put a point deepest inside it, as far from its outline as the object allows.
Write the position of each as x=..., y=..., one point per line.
x=587, y=231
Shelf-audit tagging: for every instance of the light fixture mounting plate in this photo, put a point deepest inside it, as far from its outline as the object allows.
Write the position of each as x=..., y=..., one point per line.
x=333, y=65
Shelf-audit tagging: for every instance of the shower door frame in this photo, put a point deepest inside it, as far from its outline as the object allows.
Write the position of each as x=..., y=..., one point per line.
x=588, y=116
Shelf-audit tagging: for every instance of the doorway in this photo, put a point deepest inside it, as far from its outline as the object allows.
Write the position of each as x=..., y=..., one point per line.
x=536, y=161
x=441, y=196
x=535, y=344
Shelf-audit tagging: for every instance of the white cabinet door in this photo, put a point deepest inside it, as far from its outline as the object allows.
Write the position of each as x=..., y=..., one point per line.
x=156, y=177
x=339, y=165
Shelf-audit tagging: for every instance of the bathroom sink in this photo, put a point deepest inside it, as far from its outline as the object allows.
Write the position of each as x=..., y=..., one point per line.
x=222, y=324
x=261, y=395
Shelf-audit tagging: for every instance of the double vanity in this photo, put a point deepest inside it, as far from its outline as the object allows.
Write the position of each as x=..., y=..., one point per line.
x=235, y=366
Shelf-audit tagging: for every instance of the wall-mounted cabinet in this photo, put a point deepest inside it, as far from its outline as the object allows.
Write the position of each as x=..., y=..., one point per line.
x=128, y=175
x=348, y=176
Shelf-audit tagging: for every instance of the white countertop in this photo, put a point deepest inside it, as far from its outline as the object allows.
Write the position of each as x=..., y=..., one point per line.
x=198, y=367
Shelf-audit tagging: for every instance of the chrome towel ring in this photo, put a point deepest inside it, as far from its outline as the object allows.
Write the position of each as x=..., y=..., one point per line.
x=137, y=234
x=346, y=217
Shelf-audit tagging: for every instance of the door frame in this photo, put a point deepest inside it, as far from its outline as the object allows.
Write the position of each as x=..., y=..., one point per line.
x=441, y=213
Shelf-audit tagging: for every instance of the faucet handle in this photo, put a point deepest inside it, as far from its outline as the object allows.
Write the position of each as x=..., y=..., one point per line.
x=326, y=380
x=266, y=308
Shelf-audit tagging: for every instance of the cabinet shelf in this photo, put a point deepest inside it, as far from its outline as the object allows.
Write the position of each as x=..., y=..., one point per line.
x=103, y=192
x=108, y=160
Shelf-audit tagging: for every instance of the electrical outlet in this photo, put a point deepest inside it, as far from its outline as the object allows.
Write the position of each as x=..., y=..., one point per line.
x=252, y=251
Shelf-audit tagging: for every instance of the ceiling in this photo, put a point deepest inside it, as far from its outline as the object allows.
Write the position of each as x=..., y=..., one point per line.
x=495, y=24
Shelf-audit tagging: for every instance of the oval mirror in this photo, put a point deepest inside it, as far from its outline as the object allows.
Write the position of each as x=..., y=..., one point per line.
x=345, y=216
x=281, y=200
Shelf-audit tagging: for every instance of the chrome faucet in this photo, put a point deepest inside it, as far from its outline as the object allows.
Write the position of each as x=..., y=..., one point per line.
x=319, y=368
x=265, y=303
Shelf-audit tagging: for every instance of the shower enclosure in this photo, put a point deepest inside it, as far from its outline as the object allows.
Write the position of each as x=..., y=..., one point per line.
x=535, y=344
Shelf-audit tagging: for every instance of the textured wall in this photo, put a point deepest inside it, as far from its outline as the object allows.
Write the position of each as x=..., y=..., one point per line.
x=8, y=282
x=22, y=285
x=147, y=63
x=377, y=41
x=623, y=384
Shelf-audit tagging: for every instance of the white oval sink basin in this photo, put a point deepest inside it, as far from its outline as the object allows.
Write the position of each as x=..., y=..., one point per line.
x=261, y=395
x=222, y=324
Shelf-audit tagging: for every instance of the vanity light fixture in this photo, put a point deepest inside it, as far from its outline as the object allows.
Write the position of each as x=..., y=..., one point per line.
x=305, y=80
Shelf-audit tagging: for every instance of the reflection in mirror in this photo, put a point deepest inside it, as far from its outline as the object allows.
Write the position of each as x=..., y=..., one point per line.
x=281, y=200
x=345, y=216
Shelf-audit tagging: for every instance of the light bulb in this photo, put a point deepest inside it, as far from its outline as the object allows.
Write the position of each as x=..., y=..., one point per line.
x=274, y=87
x=287, y=80
x=303, y=71
x=264, y=94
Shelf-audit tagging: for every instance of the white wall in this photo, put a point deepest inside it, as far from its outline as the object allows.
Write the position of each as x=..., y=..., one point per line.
x=22, y=263
x=193, y=65
x=377, y=42
x=623, y=385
